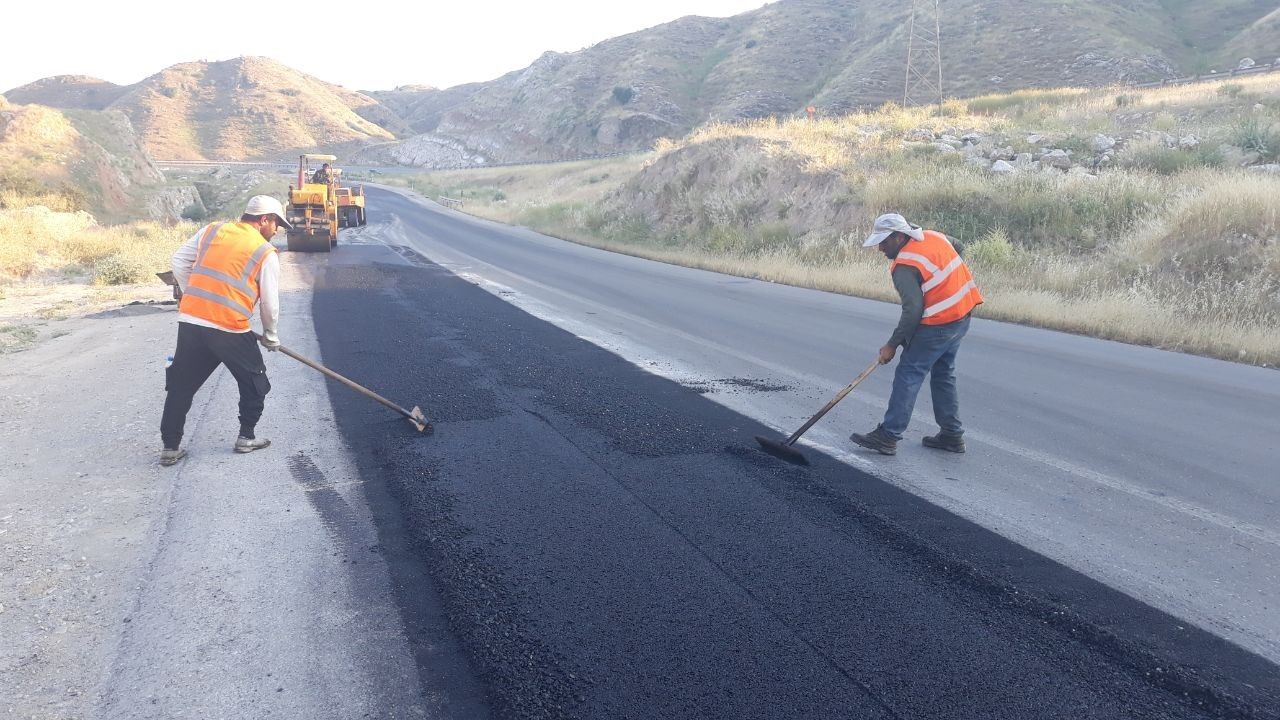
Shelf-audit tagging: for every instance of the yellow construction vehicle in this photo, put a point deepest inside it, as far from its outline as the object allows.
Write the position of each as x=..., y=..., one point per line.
x=313, y=207
x=350, y=206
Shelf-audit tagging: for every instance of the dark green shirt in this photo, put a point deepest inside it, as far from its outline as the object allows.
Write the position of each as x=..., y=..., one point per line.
x=907, y=281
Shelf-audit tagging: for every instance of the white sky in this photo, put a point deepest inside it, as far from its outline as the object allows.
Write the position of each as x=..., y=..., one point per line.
x=383, y=45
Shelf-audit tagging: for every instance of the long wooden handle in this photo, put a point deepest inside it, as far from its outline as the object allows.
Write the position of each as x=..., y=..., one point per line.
x=839, y=396
x=349, y=383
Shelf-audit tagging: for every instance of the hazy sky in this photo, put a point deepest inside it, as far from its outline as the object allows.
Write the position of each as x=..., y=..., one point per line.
x=368, y=45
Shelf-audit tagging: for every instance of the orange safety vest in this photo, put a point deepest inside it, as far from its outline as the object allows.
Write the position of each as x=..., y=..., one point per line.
x=223, y=288
x=949, y=290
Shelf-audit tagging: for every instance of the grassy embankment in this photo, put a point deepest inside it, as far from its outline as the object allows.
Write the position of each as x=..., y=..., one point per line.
x=1164, y=245
x=57, y=261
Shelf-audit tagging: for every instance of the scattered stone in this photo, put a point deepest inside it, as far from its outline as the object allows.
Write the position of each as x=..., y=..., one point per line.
x=1034, y=139
x=1245, y=64
x=1024, y=159
x=1003, y=168
x=1102, y=142
x=996, y=79
x=944, y=148
x=1189, y=142
x=1059, y=158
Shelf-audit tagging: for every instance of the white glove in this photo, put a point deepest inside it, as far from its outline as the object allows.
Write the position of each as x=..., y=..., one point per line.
x=270, y=340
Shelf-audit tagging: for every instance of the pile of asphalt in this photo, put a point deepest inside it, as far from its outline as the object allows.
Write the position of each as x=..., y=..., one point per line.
x=608, y=543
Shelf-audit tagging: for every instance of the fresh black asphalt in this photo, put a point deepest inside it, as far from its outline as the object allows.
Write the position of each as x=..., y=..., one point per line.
x=610, y=544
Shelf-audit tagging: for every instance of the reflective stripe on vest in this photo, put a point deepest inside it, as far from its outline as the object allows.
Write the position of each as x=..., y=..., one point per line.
x=950, y=292
x=223, y=287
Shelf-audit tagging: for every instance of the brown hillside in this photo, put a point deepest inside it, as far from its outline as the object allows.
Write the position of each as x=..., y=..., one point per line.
x=1260, y=41
x=67, y=91
x=623, y=93
x=244, y=108
x=91, y=156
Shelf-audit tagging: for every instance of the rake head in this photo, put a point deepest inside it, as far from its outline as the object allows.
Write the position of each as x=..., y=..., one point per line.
x=782, y=451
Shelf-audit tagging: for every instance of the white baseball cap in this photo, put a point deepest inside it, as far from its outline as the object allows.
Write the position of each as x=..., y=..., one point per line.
x=889, y=224
x=267, y=205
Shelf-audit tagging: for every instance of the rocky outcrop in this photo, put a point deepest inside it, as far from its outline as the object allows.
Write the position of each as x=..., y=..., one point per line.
x=177, y=203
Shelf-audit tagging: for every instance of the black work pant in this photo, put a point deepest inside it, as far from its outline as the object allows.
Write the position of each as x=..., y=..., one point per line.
x=200, y=351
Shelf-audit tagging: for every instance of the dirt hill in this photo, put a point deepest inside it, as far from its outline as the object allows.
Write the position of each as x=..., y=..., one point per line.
x=92, y=158
x=231, y=110
x=623, y=93
x=68, y=91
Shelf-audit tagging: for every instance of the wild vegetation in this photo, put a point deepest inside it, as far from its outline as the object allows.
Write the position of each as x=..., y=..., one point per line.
x=1170, y=238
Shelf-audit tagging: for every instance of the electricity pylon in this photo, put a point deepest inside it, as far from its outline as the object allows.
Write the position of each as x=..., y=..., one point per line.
x=924, y=55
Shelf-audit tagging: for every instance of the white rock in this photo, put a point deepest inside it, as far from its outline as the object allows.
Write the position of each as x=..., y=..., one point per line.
x=1024, y=158
x=1002, y=167
x=1034, y=139
x=1189, y=142
x=1245, y=64
x=1102, y=142
x=944, y=148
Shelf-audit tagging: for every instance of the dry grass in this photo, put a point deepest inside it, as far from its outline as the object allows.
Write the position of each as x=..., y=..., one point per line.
x=1173, y=251
x=37, y=243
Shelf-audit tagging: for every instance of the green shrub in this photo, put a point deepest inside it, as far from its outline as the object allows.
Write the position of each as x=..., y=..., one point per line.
x=623, y=94
x=1158, y=158
x=122, y=269
x=194, y=213
x=1257, y=135
x=993, y=250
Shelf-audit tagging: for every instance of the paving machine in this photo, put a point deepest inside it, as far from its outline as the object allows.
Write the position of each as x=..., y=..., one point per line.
x=313, y=207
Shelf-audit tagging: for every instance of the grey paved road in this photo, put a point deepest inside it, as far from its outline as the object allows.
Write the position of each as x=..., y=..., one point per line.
x=1157, y=473
x=607, y=541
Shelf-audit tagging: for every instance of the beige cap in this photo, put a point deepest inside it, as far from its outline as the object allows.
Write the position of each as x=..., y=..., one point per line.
x=267, y=205
x=888, y=224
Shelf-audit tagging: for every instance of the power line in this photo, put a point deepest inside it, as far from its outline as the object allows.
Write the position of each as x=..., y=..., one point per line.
x=924, y=55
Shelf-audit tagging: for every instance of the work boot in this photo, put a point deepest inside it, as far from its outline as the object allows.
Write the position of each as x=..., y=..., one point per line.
x=943, y=441
x=248, y=445
x=171, y=457
x=878, y=440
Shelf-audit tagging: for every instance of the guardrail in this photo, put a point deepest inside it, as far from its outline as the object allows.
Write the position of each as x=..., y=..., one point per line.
x=448, y=202
x=1208, y=77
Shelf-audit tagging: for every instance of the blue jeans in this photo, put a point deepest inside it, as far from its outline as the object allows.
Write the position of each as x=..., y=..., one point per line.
x=932, y=352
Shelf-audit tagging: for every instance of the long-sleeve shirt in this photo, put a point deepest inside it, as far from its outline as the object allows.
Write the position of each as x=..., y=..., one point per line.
x=907, y=280
x=184, y=261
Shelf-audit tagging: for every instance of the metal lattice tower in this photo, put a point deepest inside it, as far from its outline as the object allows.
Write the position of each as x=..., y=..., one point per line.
x=924, y=55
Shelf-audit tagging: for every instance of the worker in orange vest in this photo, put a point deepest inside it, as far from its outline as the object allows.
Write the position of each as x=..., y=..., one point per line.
x=938, y=295
x=224, y=271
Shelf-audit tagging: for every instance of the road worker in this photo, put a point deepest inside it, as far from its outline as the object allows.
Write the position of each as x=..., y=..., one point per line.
x=224, y=271
x=938, y=295
x=322, y=175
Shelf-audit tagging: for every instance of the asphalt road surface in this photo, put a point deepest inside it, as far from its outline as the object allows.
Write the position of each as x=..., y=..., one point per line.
x=608, y=542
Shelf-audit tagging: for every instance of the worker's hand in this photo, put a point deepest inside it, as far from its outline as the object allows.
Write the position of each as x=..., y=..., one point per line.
x=270, y=341
x=886, y=354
